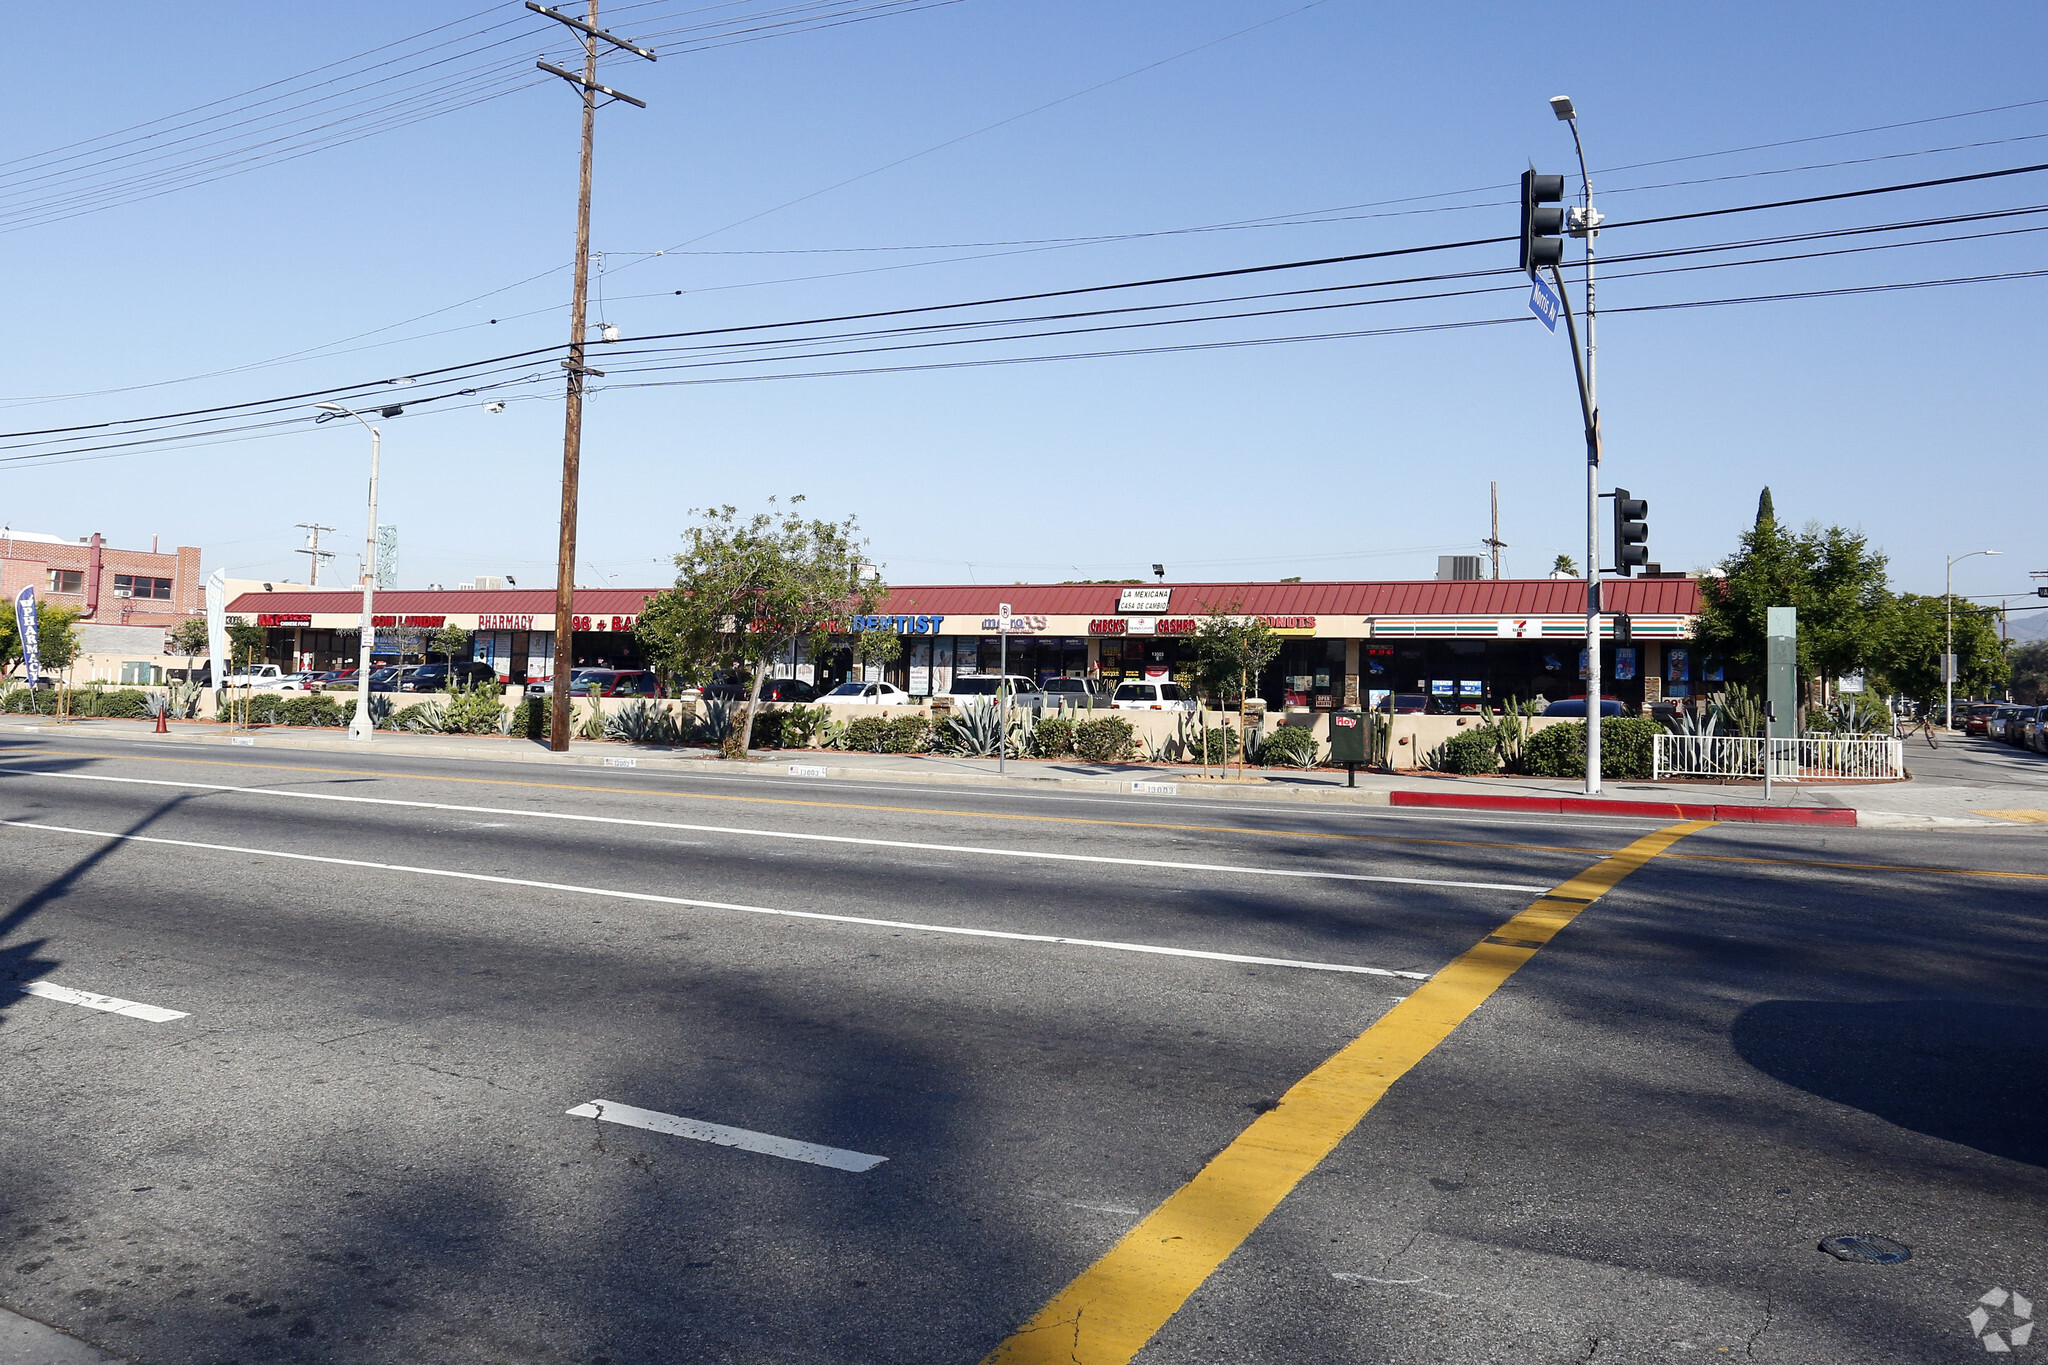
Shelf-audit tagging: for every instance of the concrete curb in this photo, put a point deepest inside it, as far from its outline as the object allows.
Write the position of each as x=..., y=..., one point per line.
x=25, y=1341
x=1663, y=810
x=1151, y=782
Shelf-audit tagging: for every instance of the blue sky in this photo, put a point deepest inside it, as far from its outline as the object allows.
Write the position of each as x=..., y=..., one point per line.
x=1914, y=414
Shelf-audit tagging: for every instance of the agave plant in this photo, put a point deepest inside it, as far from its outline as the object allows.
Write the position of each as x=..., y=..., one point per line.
x=156, y=704
x=1693, y=724
x=643, y=722
x=426, y=718
x=975, y=728
x=716, y=721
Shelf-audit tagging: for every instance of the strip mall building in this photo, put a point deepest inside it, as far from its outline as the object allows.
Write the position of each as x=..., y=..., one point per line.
x=1463, y=644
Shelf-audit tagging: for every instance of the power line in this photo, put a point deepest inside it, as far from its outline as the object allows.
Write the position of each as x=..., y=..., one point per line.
x=501, y=364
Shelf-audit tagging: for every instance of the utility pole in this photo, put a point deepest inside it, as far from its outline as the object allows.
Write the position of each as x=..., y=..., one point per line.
x=572, y=434
x=1494, y=542
x=313, y=550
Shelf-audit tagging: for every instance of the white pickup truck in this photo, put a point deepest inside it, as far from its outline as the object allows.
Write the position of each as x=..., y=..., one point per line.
x=266, y=678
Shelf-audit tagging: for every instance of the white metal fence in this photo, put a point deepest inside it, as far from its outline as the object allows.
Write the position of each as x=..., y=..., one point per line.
x=1815, y=758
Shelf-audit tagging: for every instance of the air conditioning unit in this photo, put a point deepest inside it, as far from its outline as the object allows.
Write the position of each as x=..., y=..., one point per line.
x=1457, y=568
x=124, y=592
x=490, y=583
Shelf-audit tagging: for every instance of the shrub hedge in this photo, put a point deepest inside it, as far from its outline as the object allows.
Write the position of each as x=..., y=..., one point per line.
x=1108, y=739
x=1053, y=737
x=1560, y=750
x=1470, y=754
x=1289, y=746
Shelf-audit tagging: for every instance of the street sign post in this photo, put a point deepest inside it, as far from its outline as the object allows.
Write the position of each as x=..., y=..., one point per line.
x=1002, y=685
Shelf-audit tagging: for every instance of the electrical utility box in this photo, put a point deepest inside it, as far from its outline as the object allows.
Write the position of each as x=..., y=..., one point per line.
x=1348, y=737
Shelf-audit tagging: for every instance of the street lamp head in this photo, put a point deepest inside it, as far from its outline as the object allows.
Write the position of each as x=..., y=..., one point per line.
x=332, y=407
x=1561, y=105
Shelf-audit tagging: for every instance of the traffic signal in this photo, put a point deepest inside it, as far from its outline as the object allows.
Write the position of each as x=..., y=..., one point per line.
x=1624, y=629
x=1631, y=532
x=1541, y=243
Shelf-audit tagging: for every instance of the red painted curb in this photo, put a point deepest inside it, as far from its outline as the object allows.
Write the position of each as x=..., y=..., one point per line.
x=1662, y=810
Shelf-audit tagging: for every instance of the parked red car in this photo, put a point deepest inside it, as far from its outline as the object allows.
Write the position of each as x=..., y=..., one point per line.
x=1978, y=721
x=609, y=682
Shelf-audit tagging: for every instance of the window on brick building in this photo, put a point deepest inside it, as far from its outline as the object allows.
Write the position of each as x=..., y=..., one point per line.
x=151, y=589
x=67, y=580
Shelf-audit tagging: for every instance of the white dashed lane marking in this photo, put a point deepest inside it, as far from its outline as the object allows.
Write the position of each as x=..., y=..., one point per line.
x=767, y=1144
x=154, y=1014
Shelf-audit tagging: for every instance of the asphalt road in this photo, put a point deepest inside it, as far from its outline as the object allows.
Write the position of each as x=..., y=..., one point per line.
x=1047, y=1013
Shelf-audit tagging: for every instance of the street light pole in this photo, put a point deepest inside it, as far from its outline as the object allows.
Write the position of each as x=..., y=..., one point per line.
x=1586, y=224
x=361, y=726
x=1948, y=642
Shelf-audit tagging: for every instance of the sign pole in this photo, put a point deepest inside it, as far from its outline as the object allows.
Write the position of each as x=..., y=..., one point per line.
x=1002, y=685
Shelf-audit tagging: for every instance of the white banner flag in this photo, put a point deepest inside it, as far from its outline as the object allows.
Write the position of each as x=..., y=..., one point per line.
x=217, y=625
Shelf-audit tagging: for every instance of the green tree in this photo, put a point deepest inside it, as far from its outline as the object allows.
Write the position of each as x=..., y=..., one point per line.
x=56, y=638
x=1231, y=651
x=247, y=644
x=878, y=647
x=745, y=588
x=1766, y=510
x=188, y=638
x=1912, y=635
x=2030, y=673
x=449, y=641
x=1565, y=564
x=1832, y=576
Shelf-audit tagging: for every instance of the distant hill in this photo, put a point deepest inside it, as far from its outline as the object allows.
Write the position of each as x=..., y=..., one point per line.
x=2029, y=625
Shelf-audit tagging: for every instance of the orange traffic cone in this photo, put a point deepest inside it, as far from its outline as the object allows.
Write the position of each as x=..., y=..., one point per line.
x=163, y=721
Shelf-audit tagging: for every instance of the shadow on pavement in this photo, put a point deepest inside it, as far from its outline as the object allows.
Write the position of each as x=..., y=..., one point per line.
x=21, y=963
x=1968, y=1073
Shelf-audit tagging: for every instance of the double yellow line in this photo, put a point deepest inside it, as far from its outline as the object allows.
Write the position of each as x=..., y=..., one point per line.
x=1116, y=1305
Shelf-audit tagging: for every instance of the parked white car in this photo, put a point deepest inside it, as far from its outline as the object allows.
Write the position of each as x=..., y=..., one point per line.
x=988, y=686
x=867, y=694
x=1151, y=696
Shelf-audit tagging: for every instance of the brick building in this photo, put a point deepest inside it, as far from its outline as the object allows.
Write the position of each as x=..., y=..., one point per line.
x=126, y=599
x=104, y=585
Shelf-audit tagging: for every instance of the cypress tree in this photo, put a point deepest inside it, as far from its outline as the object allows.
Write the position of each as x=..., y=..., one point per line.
x=1765, y=513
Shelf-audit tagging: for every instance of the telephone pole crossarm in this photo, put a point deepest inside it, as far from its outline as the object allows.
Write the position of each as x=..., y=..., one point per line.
x=577, y=80
x=623, y=44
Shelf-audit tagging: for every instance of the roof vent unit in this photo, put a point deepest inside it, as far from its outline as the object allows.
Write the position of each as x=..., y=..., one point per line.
x=1457, y=568
x=464, y=587
x=490, y=583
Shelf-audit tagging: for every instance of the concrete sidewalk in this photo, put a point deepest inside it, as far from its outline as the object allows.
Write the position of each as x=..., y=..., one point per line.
x=1963, y=783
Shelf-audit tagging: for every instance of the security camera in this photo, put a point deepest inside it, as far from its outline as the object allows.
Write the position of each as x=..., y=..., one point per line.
x=494, y=407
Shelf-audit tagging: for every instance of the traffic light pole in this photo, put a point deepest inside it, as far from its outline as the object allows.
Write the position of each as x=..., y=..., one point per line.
x=1589, y=398
x=1591, y=417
